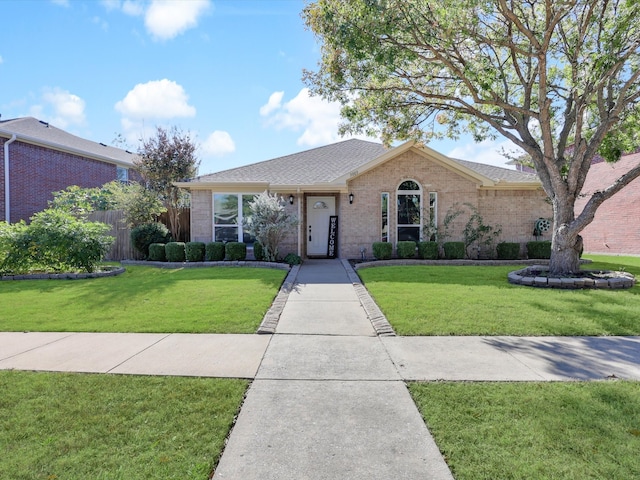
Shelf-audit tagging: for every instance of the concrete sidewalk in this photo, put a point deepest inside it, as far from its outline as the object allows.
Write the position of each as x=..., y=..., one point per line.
x=328, y=398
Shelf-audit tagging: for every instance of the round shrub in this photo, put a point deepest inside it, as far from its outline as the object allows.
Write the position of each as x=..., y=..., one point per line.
x=406, y=249
x=157, y=252
x=541, y=249
x=235, y=251
x=175, y=251
x=144, y=235
x=382, y=250
x=508, y=251
x=194, y=251
x=453, y=250
x=258, y=251
x=214, y=252
x=428, y=250
x=293, y=259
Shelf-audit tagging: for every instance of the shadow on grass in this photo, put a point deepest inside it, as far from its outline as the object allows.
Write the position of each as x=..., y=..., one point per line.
x=580, y=358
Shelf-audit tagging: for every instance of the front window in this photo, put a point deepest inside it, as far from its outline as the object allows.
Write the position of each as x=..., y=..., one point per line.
x=229, y=210
x=384, y=204
x=409, y=197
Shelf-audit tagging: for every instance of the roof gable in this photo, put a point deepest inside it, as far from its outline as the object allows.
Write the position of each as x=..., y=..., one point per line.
x=34, y=131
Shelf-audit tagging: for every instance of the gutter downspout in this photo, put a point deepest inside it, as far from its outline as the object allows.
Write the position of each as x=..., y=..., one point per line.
x=7, y=183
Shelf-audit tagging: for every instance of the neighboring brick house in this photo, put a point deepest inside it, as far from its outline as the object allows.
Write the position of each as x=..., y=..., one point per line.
x=42, y=159
x=616, y=225
x=377, y=194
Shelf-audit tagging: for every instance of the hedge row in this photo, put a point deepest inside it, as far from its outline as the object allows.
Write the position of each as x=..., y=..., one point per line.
x=197, y=251
x=456, y=250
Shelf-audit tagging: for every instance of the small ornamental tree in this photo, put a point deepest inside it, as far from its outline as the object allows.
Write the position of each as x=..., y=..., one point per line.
x=165, y=158
x=269, y=223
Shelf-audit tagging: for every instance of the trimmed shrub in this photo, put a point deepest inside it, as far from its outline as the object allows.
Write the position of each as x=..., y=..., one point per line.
x=194, y=251
x=406, y=249
x=453, y=250
x=428, y=250
x=175, y=251
x=157, y=252
x=235, y=251
x=144, y=235
x=214, y=252
x=293, y=259
x=539, y=249
x=508, y=251
x=258, y=251
x=382, y=250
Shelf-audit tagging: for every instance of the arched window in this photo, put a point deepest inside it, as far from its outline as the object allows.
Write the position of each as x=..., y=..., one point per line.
x=409, y=201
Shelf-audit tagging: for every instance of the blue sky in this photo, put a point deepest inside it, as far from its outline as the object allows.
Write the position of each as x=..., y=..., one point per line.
x=227, y=71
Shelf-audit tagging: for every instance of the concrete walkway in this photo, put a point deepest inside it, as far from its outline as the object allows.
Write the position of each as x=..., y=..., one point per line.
x=328, y=399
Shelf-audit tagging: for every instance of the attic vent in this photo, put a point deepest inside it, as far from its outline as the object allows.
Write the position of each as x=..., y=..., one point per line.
x=46, y=124
x=103, y=144
x=129, y=152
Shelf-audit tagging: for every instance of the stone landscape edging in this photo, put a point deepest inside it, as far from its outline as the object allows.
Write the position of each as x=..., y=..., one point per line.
x=107, y=272
x=230, y=263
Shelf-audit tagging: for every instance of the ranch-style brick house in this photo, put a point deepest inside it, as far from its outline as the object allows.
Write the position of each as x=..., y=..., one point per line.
x=37, y=159
x=367, y=193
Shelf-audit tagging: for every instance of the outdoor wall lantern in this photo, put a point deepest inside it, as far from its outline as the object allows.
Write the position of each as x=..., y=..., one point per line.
x=350, y=198
x=290, y=199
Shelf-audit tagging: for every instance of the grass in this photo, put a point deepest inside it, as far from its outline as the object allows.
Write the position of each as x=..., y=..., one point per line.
x=73, y=426
x=560, y=431
x=143, y=299
x=478, y=300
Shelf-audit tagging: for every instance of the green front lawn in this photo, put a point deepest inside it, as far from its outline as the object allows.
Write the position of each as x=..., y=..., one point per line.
x=78, y=427
x=478, y=300
x=560, y=431
x=143, y=299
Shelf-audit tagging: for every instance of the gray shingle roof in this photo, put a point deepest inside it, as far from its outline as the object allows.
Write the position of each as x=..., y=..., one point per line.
x=328, y=163
x=498, y=173
x=318, y=165
x=56, y=138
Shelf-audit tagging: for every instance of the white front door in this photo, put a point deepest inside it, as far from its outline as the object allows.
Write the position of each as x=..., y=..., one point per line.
x=319, y=209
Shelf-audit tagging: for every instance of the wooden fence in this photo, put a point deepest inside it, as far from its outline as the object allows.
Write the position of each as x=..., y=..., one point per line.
x=122, y=248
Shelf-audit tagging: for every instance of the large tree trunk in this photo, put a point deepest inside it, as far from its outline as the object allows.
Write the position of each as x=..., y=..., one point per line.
x=566, y=243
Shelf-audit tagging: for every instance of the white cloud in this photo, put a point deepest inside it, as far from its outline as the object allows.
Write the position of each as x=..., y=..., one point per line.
x=488, y=152
x=156, y=99
x=317, y=119
x=166, y=19
x=60, y=107
x=217, y=144
x=1, y=59
x=149, y=102
x=274, y=103
x=62, y=3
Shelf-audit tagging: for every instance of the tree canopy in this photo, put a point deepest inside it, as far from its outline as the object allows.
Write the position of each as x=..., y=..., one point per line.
x=168, y=157
x=559, y=78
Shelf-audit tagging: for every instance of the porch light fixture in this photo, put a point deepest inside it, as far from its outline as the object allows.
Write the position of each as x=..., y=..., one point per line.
x=290, y=199
x=350, y=198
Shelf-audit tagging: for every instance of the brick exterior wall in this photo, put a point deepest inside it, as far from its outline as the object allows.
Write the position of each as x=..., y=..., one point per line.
x=616, y=226
x=361, y=223
x=35, y=172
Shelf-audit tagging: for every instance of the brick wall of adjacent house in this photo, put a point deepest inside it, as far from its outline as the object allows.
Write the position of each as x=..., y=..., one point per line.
x=616, y=226
x=515, y=211
x=36, y=172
